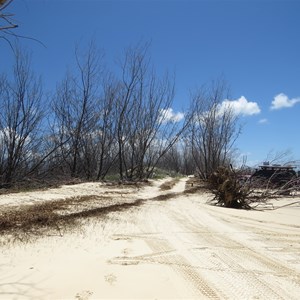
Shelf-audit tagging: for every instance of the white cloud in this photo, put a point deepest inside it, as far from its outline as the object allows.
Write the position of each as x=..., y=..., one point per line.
x=240, y=106
x=168, y=115
x=282, y=101
x=263, y=121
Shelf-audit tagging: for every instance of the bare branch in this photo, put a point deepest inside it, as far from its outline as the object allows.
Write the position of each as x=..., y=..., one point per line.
x=6, y=16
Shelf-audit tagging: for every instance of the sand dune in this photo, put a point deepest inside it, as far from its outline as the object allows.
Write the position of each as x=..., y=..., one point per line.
x=176, y=246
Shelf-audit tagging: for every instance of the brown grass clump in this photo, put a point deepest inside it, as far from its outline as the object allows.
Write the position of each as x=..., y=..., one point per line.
x=164, y=197
x=36, y=217
x=195, y=185
x=57, y=215
x=168, y=185
x=33, y=184
x=27, y=222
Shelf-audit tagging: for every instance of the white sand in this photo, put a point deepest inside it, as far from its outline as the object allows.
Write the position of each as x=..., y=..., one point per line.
x=181, y=248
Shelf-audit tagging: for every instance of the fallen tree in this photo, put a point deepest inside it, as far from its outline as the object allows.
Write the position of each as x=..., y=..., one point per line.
x=230, y=190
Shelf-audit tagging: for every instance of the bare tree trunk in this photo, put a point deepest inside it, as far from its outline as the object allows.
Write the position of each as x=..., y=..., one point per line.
x=20, y=117
x=77, y=111
x=145, y=130
x=107, y=122
x=213, y=131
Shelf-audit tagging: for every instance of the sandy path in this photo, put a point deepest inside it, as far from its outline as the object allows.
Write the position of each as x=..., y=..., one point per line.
x=178, y=248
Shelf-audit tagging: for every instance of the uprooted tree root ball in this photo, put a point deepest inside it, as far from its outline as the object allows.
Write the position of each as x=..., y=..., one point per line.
x=228, y=190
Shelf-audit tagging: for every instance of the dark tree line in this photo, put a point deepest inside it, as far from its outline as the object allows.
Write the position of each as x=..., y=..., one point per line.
x=98, y=123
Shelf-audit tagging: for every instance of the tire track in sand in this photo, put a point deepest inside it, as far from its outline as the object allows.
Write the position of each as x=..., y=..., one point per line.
x=232, y=261
x=213, y=258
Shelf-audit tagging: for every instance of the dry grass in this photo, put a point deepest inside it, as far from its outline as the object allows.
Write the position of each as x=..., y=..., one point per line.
x=195, y=185
x=58, y=215
x=168, y=185
x=165, y=197
x=55, y=217
x=37, y=217
x=30, y=184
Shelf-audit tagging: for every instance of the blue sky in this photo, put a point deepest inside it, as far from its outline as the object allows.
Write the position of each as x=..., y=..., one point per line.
x=254, y=45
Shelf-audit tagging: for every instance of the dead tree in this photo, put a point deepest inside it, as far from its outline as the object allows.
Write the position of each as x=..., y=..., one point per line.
x=145, y=131
x=20, y=117
x=105, y=135
x=212, y=131
x=76, y=113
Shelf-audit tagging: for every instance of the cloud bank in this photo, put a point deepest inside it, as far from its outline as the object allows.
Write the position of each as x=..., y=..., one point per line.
x=168, y=115
x=282, y=101
x=241, y=106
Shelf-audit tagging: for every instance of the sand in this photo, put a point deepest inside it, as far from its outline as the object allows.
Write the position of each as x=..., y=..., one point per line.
x=178, y=248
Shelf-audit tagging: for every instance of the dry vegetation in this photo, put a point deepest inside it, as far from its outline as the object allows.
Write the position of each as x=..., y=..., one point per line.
x=55, y=217
x=36, y=217
x=33, y=184
x=228, y=190
x=58, y=216
x=195, y=185
x=232, y=191
x=168, y=185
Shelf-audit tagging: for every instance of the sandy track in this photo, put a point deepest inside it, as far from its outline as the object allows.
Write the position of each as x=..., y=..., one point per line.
x=177, y=248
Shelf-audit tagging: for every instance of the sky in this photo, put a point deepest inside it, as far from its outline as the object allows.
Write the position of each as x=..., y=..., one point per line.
x=253, y=45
